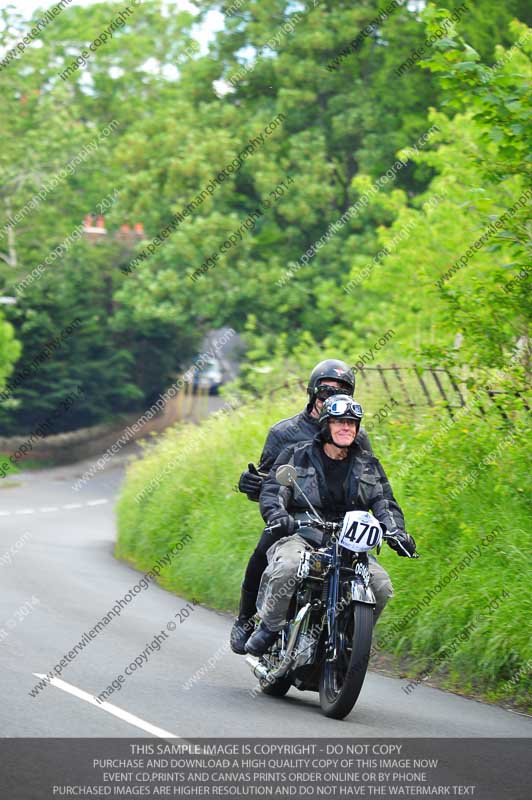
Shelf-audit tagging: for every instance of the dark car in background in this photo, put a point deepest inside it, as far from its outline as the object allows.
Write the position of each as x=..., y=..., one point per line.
x=210, y=378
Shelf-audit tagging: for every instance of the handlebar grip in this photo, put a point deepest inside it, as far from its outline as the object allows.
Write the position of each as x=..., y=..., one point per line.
x=270, y=528
x=298, y=523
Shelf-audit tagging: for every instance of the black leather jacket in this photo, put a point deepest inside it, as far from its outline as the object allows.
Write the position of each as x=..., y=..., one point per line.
x=366, y=487
x=299, y=428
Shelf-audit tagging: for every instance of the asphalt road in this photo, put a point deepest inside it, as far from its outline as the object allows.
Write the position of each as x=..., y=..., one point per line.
x=59, y=577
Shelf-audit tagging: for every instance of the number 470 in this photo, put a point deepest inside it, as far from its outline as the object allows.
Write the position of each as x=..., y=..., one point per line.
x=372, y=534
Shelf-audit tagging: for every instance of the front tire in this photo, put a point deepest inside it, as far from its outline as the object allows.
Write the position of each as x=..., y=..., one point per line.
x=342, y=680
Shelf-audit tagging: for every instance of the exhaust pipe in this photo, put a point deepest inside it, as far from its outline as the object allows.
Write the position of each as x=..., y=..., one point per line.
x=261, y=671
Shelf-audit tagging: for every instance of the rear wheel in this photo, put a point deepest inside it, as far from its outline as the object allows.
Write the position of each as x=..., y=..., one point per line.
x=341, y=680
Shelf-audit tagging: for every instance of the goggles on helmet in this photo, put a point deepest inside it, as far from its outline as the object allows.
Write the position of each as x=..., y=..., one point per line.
x=345, y=408
x=323, y=391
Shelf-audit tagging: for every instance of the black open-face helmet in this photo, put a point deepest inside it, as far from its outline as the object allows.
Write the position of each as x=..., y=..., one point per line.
x=334, y=370
x=339, y=406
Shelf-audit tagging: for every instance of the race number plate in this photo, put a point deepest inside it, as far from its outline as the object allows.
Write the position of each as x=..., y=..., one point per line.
x=360, y=532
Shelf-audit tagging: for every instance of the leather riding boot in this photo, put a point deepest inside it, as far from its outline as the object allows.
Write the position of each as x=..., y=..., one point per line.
x=243, y=624
x=262, y=640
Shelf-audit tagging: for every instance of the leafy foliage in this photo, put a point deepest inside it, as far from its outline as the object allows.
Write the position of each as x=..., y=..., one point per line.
x=182, y=116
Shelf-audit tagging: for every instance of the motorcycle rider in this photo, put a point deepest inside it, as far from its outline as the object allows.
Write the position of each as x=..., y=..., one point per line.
x=337, y=475
x=327, y=378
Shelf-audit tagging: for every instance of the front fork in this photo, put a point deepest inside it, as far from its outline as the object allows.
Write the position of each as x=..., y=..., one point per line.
x=332, y=605
x=361, y=592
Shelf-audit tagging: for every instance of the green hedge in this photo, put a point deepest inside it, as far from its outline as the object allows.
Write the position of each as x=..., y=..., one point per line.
x=435, y=614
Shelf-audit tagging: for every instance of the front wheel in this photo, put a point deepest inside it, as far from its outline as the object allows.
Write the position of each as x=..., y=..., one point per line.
x=341, y=680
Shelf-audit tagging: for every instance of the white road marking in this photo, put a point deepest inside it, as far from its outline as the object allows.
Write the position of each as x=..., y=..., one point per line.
x=47, y=509
x=110, y=708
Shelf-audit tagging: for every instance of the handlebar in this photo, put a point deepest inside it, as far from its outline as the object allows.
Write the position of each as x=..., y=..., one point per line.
x=326, y=527
x=330, y=527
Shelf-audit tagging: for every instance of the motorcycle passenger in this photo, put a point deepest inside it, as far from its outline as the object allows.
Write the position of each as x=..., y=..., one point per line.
x=337, y=476
x=327, y=378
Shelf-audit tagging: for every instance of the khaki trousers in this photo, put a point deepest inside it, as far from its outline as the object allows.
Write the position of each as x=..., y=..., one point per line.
x=278, y=582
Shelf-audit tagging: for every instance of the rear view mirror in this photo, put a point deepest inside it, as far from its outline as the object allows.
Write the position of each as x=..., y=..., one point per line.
x=286, y=475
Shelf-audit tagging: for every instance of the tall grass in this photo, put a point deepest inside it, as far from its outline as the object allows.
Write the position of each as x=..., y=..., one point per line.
x=198, y=496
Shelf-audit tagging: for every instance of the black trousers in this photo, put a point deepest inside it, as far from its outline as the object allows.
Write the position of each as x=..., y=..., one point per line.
x=258, y=562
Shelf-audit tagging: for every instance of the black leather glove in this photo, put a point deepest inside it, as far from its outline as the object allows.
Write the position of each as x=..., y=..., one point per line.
x=250, y=482
x=283, y=524
x=403, y=543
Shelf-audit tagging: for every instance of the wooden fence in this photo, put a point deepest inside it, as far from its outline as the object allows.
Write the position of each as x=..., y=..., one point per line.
x=413, y=387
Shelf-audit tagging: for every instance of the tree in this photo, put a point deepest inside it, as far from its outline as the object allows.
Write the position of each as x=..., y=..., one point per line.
x=58, y=164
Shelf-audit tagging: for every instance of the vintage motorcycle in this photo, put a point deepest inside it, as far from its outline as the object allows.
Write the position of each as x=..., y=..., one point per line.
x=326, y=643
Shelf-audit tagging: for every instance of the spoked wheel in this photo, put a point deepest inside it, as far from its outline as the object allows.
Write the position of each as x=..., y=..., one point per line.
x=278, y=688
x=341, y=680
